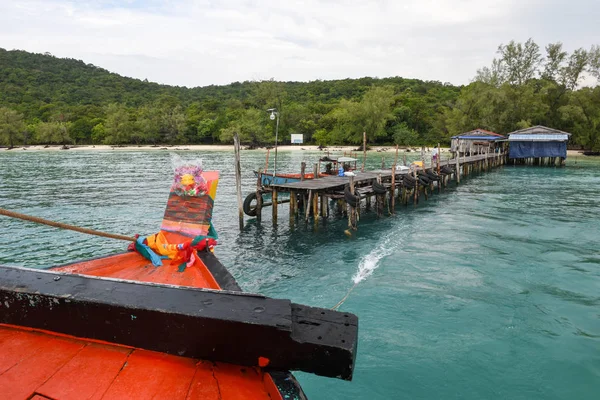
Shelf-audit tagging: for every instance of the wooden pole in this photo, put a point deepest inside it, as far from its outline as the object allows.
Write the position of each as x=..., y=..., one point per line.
x=267, y=161
x=352, y=214
x=307, y=212
x=274, y=196
x=293, y=206
x=393, y=189
x=457, y=172
x=259, y=197
x=238, y=179
x=315, y=171
x=416, y=188
x=316, y=209
x=364, y=151
x=302, y=170
x=379, y=198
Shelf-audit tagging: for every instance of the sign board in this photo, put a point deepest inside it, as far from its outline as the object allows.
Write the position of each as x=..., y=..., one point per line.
x=297, y=138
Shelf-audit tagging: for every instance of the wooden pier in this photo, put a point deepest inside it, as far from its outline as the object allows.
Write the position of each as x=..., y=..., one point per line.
x=311, y=197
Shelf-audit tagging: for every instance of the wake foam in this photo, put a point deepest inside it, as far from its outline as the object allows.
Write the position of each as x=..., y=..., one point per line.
x=371, y=261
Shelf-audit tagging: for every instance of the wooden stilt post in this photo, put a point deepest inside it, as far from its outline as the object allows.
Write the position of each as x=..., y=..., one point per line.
x=364, y=151
x=259, y=197
x=352, y=210
x=316, y=209
x=238, y=179
x=457, y=172
x=379, y=199
x=416, y=188
x=302, y=170
x=323, y=205
x=308, y=204
x=293, y=206
x=267, y=161
x=393, y=188
x=382, y=162
x=274, y=206
x=315, y=171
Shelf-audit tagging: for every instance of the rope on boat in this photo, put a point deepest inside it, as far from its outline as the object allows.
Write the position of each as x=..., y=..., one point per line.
x=344, y=298
x=61, y=225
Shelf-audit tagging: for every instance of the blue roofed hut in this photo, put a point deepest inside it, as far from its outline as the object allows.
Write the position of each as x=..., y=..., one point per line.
x=538, y=145
x=478, y=141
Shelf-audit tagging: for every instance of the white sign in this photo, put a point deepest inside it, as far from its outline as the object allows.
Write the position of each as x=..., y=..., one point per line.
x=297, y=138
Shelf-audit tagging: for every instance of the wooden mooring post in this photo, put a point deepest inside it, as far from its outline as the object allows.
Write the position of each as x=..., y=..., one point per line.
x=259, y=197
x=238, y=179
x=274, y=206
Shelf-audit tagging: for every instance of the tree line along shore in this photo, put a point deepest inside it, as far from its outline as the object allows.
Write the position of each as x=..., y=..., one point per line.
x=49, y=100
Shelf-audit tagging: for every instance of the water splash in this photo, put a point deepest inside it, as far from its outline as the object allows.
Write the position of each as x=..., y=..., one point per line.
x=371, y=261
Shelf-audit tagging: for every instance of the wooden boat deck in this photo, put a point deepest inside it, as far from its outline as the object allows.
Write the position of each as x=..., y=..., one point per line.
x=42, y=365
x=132, y=266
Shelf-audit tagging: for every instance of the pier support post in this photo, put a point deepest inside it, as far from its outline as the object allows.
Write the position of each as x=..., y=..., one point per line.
x=302, y=170
x=308, y=204
x=457, y=171
x=238, y=179
x=274, y=196
x=259, y=197
x=352, y=210
x=293, y=207
x=315, y=171
x=379, y=199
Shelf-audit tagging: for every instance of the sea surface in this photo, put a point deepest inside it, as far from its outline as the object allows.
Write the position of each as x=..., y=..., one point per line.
x=489, y=290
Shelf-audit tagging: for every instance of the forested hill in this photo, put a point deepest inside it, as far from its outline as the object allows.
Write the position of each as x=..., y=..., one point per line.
x=44, y=99
x=98, y=106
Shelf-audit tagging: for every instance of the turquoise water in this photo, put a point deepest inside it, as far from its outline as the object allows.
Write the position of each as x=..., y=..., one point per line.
x=488, y=290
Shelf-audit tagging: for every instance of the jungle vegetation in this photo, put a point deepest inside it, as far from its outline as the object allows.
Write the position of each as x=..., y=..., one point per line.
x=50, y=100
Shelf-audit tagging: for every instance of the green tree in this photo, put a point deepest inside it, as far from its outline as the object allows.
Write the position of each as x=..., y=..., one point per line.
x=12, y=127
x=118, y=127
x=53, y=132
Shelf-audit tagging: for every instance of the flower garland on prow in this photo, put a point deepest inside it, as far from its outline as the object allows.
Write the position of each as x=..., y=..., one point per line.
x=189, y=181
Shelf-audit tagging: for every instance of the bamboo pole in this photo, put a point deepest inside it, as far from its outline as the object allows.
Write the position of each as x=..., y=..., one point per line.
x=61, y=225
x=238, y=179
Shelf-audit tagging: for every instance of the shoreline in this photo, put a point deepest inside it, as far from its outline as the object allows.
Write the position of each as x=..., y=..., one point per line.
x=229, y=147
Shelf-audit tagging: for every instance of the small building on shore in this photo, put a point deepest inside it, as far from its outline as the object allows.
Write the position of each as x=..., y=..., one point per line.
x=478, y=141
x=537, y=145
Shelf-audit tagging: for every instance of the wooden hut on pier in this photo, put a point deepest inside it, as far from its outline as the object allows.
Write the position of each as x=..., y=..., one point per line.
x=538, y=145
x=478, y=141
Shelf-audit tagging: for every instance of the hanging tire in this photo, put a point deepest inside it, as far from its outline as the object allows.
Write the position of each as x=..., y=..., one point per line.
x=447, y=170
x=378, y=188
x=250, y=209
x=432, y=175
x=351, y=199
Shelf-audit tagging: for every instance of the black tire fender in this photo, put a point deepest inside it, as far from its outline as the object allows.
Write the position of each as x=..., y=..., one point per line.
x=351, y=199
x=248, y=208
x=378, y=188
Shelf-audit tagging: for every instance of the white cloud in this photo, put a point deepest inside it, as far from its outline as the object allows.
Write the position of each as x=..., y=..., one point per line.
x=195, y=43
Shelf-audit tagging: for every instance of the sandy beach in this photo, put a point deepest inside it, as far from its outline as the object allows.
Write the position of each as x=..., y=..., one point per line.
x=227, y=147
x=216, y=147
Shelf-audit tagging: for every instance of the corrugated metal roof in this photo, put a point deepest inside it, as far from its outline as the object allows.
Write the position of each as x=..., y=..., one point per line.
x=537, y=138
x=539, y=130
x=490, y=138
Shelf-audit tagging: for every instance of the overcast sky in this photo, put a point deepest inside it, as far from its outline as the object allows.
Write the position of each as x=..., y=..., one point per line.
x=198, y=43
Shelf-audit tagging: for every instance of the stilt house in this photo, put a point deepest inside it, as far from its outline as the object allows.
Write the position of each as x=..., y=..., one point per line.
x=478, y=141
x=538, y=143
